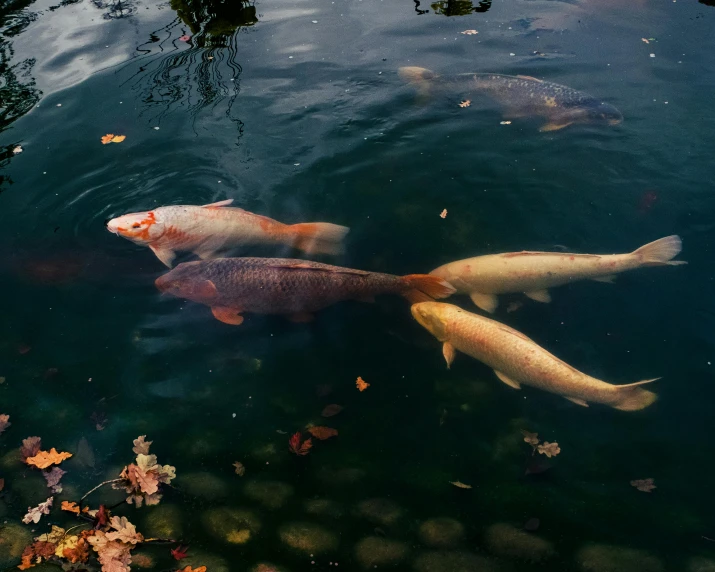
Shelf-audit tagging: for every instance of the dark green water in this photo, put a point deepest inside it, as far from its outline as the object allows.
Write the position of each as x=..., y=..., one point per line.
x=295, y=110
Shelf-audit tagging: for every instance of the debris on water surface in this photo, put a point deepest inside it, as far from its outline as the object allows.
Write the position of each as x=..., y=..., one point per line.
x=323, y=433
x=298, y=446
x=469, y=32
x=35, y=514
x=184, y=38
x=141, y=447
x=70, y=507
x=4, y=422
x=331, y=410
x=460, y=485
x=53, y=477
x=505, y=123
x=361, y=384
x=111, y=138
x=17, y=150
x=240, y=469
x=644, y=485
x=530, y=438
x=549, y=449
x=645, y=40
x=465, y=103
x=44, y=459
x=443, y=214
x=190, y=569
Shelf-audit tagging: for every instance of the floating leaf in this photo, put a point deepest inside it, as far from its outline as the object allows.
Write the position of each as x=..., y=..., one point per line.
x=30, y=447
x=34, y=553
x=361, y=384
x=298, y=446
x=53, y=477
x=240, y=469
x=70, y=507
x=17, y=150
x=44, y=459
x=179, y=553
x=111, y=138
x=190, y=569
x=4, y=422
x=460, y=485
x=331, y=410
x=530, y=438
x=644, y=485
x=141, y=447
x=465, y=103
x=114, y=556
x=505, y=123
x=35, y=514
x=469, y=32
x=645, y=40
x=323, y=433
x=125, y=531
x=549, y=449
x=443, y=214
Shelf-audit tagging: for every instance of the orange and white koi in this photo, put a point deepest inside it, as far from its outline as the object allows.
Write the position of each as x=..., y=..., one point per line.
x=208, y=229
x=532, y=273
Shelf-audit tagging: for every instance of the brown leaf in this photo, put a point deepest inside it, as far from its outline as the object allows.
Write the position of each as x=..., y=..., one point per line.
x=114, y=556
x=322, y=433
x=44, y=459
x=530, y=438
x=240, y=469
x=141, y=447
x=644, y=485
x=4, y=422
x=361, y=384
x=125, y=531
x=30, y=447
x=331, y=410
x=549, y=449
x=80, y=553
x=460, y=485
x=70, y=507
x=190, y=569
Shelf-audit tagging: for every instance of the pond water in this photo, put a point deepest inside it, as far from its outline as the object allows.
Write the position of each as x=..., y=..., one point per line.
x=295, y=110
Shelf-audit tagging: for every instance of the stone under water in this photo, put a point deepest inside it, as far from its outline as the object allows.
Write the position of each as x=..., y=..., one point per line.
x=610, y=558
x=453, y=561
x=324, y=507
x=379, y=510
x=164, y=521
x=441, y=532
x=308, y=537
x=232, y=525
x=203, y=485
x=375, y=551
x=511, y=542
x=270, y=494
x=13, y=539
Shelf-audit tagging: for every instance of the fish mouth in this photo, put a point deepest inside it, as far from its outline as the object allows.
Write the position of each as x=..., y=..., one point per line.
x=162, y=284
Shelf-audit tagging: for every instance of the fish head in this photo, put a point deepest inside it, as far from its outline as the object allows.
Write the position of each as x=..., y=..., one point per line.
x=187, y=281
x=432, y=316
x=604, y=113
x=142, y=228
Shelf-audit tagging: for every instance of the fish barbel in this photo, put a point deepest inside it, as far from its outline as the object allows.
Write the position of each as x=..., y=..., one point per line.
x=520, y=96
x=532, y=273
x=295, y=288
x=518, y=360
x=205, y=230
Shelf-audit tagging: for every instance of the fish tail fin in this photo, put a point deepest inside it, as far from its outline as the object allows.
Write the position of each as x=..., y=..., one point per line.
x=633, y=397
x=317, y=237
x=661, y=252
x=425, y=288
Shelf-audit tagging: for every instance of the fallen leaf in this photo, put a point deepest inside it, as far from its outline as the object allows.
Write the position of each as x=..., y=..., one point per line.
x=79, y=552
x=114, y=556
x=4, y=422
x=184, y=38
x=102, y=516
x=323, y=433
x=190, y=569
x=505, y=123
x=460, y=485
x=33, y=554
x=111, y=138
x=331, y=410
x=361, y=384
x=44, y=459
x=70, y=507
x=465, y=103
x=35, y=514
x=179, y=553
x=469, y=32
x=55, y=535
x=298, y=446
x=17, y=150
x=549, y=449
x=53, y=477
x=125, y=531
x=141, y=447
x=2, y=484
x=530, y=438
x=443, y=214
x=645, y=40
x=644, y=485
x=240, y=469
x=30, y=447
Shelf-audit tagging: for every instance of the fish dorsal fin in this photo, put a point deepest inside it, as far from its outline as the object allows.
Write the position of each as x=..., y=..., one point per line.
x=531, y=78
x=325, y=268
x=218, y=204
x=509, y=381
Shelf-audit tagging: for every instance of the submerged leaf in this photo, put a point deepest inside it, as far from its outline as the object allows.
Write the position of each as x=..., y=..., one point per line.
x=44, y=459
x=240, y=469
x=30, y=447
x=644, y=485
x=460, y=485
x=530, y=438
x=361, y=384
x=179, y=553
x=549, y=449
x=298, y=446
x=4, y=422
x=331, y=410
x=141, y=447
x=323, y=433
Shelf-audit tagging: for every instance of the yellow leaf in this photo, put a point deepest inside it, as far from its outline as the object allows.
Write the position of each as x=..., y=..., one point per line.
x=361, y=384
x=44, y=459
x=118, y=138
x=112, y=138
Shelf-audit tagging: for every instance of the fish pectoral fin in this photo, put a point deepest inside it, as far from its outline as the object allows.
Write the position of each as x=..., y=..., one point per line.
x=205, y=289
x=577, y=401
x=539, y=296
x=166, y=255
x=608, y=279
x=487, y=302
x=230, y=316
x=554, y=126
x=205, y=254
x=300, y=317
x=218, y=204
x=449, y=352
x=509, y=381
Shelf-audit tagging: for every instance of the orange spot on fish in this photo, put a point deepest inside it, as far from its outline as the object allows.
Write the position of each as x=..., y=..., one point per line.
x=572, y=258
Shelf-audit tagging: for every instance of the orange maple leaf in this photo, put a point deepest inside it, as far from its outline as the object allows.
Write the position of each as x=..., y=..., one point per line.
x=323, y=433
x=190, y=569
x=70, y=506
x=361, y=384
x=44, y=459
x=111, y=138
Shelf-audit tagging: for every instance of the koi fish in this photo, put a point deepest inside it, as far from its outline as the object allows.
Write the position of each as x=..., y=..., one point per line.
x=483, y=277
x=295, y=288
x=520, y=96
x=517, y=360
x=206, y=229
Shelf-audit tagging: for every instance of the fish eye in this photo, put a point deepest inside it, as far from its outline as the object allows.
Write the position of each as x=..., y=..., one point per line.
x=136, y=225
